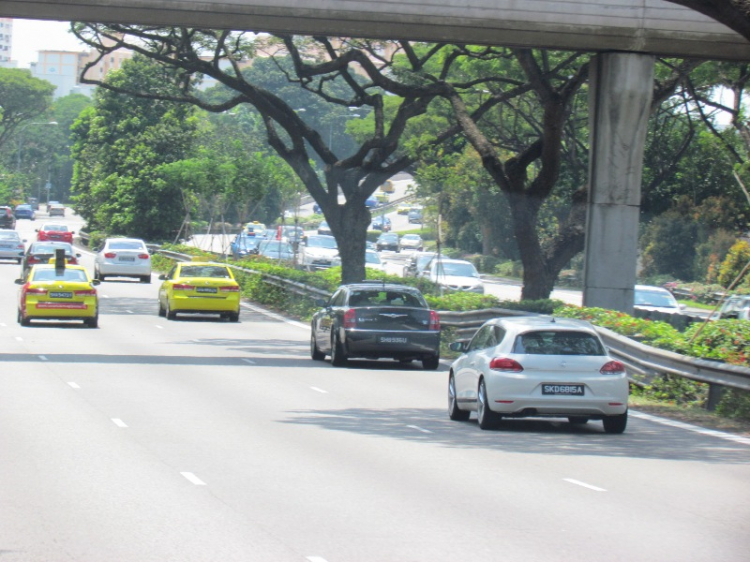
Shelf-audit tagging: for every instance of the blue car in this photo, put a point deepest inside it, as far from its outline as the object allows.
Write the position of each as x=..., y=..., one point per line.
x=244, y=245
x=25, y=212
x=371, y=203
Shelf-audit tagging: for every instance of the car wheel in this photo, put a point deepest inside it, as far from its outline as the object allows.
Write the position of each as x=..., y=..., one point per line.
x=338, y=357
x=454, y=412
x=315, y=353
x=486, y=418
x=19, y=261
x=22, y=320
x=171, y=314
x=615, y=424
x=162, y=311
x=577, y=420
x=234, y=316
x=146, y=279
x=431, y=362
x=93, y=322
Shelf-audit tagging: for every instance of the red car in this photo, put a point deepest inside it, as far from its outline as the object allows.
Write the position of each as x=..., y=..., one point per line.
x=54, y=233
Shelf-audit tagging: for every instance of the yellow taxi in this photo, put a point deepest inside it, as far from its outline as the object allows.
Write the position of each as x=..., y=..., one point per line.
x=58, y=291
x=404, y=208
x=199, y=287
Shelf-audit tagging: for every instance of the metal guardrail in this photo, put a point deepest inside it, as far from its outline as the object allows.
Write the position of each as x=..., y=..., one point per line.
x=640, y=359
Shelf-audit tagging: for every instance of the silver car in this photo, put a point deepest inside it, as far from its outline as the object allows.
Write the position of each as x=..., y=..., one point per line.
x=123, y=257
x=534, y=366
x=11, y=246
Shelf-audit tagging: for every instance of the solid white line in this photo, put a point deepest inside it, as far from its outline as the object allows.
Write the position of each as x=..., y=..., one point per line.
x=316, y=559
x=250, y=361
x=316, y=389
x=589, y=486
x=419, y=428
x=160, y=327
x=105, y=296
x=275, y=316
x=693, y=428
x=73, y=385
x=42, y=358
x=19, y=338
x=3, y=324
x=129, y=311
x=119, y=423
x=193, y=478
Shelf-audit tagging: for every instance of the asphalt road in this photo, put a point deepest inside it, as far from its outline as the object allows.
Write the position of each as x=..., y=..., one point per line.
x=202, y=440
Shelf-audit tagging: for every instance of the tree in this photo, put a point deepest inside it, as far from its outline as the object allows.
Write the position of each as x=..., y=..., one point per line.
x=22, y=99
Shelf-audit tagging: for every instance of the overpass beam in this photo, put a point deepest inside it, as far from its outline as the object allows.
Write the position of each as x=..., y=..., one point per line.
x=621, y=86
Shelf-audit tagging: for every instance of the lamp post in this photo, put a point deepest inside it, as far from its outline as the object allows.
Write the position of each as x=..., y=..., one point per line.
x=19, y=143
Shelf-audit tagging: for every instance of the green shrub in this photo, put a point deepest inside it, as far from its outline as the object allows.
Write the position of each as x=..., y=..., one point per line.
x=735, y=403
x=509, y=269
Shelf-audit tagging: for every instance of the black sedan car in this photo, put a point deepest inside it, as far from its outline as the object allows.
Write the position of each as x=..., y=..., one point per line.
x=42, y=252
x=387, y=241
x=376, y=320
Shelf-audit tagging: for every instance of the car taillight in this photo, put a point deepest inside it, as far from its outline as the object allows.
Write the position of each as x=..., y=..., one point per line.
x=505, y=364
x=110, y=255
x=34, y=290
x=230, y=289
x=20, y=246
x=86, y=293
x=434, y=321
x=183, y=287
x=143, y=256
x=350, y=318
x=612, y=368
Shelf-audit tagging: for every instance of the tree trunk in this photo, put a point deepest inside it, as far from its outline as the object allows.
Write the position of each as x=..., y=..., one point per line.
x=349, y=226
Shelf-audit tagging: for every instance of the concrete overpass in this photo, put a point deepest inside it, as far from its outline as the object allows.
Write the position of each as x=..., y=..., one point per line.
x=628, y=34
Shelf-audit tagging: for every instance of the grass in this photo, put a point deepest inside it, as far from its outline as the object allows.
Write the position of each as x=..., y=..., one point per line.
x=690, y=414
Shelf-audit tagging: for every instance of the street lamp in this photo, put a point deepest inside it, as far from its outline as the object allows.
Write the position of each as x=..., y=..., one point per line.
x=19, y=143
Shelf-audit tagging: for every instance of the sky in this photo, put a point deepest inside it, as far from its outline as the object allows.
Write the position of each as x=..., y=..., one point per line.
x=30, y=36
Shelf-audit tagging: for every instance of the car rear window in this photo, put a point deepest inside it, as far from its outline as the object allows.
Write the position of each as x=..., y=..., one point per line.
x=204, y=271
x=550, y=342
x=59, y=275
x=385, y=298
x=126, y=246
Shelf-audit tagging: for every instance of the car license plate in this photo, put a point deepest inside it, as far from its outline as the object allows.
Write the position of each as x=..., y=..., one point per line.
x=206, y=290
x=127, y=258
x=6, y=245
x=563, y=389
x=392, y=339
x=61, y=295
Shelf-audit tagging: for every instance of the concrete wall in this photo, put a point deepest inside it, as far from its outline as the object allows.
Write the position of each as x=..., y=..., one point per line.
x=643, y=26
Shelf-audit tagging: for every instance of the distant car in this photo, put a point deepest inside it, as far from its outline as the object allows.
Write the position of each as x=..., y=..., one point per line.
x=276, y=250
x=411, y=242
x=418, y=262
x=736, y=307
x=387, y=241
x=318, y=252
x=372, y=260
x=57, y=210
x=291, y=234
x=43, y=252
x=381, y=223
x=123, y=257
x=255, y=229
x=404, y=208
x=25, y=212
x=34, y=202
x=323, y=228
x=371, y=203
x=11, y=246
x=415, y=216
x=536, y=366
x=455, y=275
x=58, y=292
x=243, y=245
x=50, y=203
x=316, y=209
x=7, y=218
x=199, y=288
x=376, y=320
x=650, y=298
x=55, y=232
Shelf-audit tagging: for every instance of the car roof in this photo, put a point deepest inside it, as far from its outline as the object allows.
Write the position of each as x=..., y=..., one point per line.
x=524, y=323
x=124, y=240
x=380, y=285
x=651, y=288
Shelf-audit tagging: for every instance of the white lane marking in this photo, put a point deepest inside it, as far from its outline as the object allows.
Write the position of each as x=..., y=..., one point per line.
x=19, y=338
x=42, y=358
x=694, y=428
x=3, y=324
x=73, y=385
x=275, y=316
x=119, y=423
x=129, y=311
x=316, y=389
x=419, y=428
x=249, y=361
x=193, y=478
x=160, y=327
x=316, y=559
x=106, y=296
x=589, y=486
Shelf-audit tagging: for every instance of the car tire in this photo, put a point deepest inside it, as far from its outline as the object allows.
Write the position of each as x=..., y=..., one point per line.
x=431, y=362
x=454, y=412
x=615, y=424
x=162, y=311
x=171, y=314
x=93, y=322
x=23, y=321
x=146, y=279
x=577, y=420
x=315, y=353
x=338, y=357
x=234, y=316
x=486, y=418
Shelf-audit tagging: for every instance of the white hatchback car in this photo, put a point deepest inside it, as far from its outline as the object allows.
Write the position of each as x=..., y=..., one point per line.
x=537, y=366
x=123, y=257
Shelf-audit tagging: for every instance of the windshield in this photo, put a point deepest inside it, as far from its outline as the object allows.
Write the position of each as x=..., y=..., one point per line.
x=321, y=242
x=55, y=228
x=654, y=298
x=275, y=246
x=457, y=269
x=372, y=257
x=126, y=245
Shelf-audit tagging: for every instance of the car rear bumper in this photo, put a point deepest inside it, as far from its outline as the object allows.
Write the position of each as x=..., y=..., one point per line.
x=371, y=344
x=205, y=304
x=50, y=310
x=125, y=270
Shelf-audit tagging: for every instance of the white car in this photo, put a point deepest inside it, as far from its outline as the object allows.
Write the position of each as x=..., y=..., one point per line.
x=318, y=252
x=123, y=257
x=656, y=299
x=537, y=366
x=372, y=260
x=454, y=275
x=411, y=242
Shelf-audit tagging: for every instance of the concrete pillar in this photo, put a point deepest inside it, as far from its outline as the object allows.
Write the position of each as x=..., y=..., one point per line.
x=621, y=87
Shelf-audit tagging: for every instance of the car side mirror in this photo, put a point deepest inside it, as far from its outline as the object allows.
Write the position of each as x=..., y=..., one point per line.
x=19, y=281
x=96, y=282
x=78, y=255
x=459, y=346
x=162, y=277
